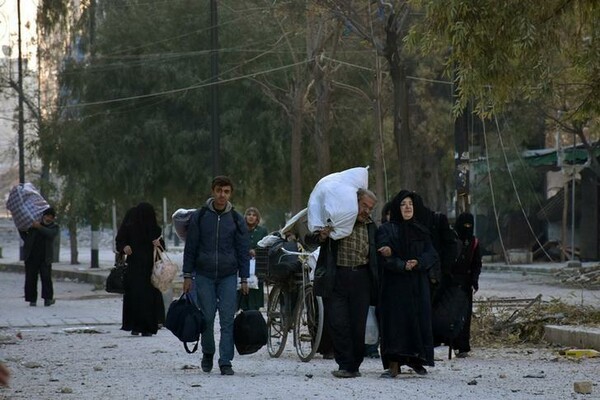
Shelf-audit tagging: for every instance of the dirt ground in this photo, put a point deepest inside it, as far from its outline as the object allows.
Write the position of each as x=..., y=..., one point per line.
x=82, y=361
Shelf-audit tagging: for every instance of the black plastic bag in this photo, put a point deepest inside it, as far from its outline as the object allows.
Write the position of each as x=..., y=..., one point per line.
x=249, y=332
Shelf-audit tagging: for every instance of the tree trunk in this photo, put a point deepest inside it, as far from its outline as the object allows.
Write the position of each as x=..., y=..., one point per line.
x=401, y=112
x=378, y=155
x=322, y=137
x=72, y=227
x=297, y=119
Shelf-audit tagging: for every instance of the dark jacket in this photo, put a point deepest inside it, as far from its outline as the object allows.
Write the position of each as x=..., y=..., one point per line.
x=467, y=269
x=327, y=263
x=217, y=246
x=48, y=233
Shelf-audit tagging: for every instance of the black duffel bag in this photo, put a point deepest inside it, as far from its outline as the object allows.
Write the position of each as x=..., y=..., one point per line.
x=249, y=332
x=186, y=321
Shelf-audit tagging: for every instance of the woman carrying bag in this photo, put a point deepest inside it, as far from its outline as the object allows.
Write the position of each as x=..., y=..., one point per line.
x=143, y=307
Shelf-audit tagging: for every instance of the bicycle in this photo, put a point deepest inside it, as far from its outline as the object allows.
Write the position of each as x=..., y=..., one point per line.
x=292, y=306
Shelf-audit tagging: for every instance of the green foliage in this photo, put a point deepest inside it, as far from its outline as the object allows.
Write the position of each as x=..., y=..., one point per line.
x=513, y=50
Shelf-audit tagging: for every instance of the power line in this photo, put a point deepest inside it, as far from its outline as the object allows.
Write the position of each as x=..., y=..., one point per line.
x=414, y=78
x=487, y=159
x=515, y=189
x=192, y=87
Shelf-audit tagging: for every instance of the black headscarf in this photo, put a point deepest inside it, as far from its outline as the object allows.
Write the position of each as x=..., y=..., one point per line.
x=465, y=232
x=422, y=213
x=409, y=230
x=142, y=222
x=385, y=211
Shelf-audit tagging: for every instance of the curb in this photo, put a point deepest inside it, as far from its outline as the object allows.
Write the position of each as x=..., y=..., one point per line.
x=529, y=269
x=573, y=336
x=93, y=277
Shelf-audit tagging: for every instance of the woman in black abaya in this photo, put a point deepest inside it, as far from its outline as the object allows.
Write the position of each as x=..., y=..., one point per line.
x=143, y=307
x=404, y=307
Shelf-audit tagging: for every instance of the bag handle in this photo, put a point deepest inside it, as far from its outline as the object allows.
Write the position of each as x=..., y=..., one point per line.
x=161, y=253
x=194, y=349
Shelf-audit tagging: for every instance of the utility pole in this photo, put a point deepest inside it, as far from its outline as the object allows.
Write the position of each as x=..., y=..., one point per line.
x=461, y=158
x=95, y=219
x=215, y=126
x=21, y=134
x=21, y=131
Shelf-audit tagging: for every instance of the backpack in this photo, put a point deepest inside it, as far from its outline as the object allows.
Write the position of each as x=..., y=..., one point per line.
x=249, y=332
x=182, y=218
x=186, y=321
x=237, y=218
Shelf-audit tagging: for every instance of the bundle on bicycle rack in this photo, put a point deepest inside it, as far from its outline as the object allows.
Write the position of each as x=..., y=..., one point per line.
x=274, y=266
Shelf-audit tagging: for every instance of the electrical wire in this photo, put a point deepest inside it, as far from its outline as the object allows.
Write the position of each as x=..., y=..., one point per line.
x=487, y=159
x=192, y=87
x=410, y=77
x=533, y=191
x=515, y=189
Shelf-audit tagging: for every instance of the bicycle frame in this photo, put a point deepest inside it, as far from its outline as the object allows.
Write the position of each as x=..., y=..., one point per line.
x=305, y=319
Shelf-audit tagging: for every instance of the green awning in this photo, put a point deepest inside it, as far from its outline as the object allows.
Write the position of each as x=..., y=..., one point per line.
x=548, y=157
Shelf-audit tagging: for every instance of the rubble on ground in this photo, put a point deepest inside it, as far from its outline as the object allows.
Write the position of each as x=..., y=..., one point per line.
x=588, y=277
x=499, y=326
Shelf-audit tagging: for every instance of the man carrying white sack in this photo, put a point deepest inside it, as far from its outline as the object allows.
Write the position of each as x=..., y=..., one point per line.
x=346, y=278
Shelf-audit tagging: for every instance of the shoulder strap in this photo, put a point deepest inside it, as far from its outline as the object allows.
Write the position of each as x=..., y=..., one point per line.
x=236, y=217
x=436, y=220
x=201, y=212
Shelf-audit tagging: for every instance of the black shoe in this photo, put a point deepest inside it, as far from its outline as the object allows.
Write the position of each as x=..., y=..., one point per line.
x=135, y=333
x=49, y=302
x=462, y=354
x=207, y=362
x=146, y=334
x=33, y=303
x=328, y=356
x=226, y=370
x=419, y=369
x=342, y=373
x=388, y=374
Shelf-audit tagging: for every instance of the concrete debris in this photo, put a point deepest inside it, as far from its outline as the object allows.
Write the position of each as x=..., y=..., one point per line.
x=584, y=276
x=583, y=387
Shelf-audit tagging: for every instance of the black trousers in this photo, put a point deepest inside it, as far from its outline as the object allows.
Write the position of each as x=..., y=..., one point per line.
x=346, y=312
x=32, y=270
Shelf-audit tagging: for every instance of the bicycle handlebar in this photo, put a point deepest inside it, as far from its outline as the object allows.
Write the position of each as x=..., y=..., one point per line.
x=295, y=253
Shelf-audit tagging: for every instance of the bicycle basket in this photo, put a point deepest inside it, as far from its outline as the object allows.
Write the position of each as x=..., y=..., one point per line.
x=274, y=266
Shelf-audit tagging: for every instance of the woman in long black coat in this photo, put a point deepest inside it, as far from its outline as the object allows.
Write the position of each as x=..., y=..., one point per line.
x=143, y=307
x=404, y=304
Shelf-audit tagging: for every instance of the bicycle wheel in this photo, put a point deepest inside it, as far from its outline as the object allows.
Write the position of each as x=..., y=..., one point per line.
x=276, y=322
x=308, y=324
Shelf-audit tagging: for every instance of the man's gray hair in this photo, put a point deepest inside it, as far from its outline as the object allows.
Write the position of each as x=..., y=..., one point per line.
x=365, y=192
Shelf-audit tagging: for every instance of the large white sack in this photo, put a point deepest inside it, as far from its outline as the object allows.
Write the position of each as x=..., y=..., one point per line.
x=181, y=220
x=26, y=205
x=333, y=201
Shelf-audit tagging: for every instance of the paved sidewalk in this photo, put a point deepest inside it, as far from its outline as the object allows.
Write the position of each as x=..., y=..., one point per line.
x=79, y=291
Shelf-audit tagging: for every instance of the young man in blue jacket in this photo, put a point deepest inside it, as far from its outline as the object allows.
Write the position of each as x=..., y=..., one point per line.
x=216, y=250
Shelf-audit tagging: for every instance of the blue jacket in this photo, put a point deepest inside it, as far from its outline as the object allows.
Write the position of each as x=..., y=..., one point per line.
x=215, y=246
